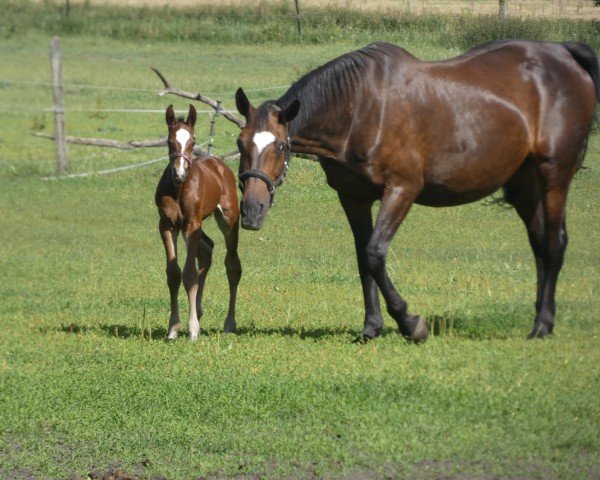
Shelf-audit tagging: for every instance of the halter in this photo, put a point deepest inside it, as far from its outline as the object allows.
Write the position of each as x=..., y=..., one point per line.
x=271, y=185
x=188, y=160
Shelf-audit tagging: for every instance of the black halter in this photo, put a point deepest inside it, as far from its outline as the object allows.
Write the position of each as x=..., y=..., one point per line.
x=271, y=185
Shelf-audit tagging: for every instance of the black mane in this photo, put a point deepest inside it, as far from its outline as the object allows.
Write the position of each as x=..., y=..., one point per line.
x=335, y=83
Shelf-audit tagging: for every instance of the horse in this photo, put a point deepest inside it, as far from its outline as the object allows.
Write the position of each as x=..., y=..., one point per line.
x=190, y=190
x=389, y=127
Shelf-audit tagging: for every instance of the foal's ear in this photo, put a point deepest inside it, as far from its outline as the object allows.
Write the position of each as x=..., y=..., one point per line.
x=191, y=119
x=243, y=104
x=289, y=113
x=170, y=116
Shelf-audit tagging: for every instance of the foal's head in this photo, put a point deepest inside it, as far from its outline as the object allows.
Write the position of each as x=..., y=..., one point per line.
x=264, y=146
x=181, y=142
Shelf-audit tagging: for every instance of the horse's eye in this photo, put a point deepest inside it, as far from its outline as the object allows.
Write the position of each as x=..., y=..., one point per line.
x=281, y=147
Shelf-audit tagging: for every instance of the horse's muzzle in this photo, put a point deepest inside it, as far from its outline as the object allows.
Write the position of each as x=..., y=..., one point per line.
x=253, y=214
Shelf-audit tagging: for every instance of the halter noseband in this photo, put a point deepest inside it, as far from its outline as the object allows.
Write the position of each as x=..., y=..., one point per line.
x=188, y=160
x=271, y=185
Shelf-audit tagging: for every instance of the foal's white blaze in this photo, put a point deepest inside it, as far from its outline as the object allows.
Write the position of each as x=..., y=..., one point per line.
x=262, y=139
x=183, y=137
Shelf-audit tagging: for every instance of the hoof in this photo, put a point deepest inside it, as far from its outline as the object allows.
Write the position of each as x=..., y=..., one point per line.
x=230, y=327
x=362, y=339
x=415, y=329
x=540, y=331
x=171, y=336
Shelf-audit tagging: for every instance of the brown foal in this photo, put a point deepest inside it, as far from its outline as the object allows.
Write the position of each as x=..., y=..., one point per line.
x=190, y=190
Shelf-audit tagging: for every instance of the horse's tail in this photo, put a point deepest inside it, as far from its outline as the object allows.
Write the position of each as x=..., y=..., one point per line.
x=585, y=56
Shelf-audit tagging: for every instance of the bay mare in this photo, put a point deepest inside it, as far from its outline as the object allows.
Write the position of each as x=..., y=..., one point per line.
x=190, y=190
x=387, y=126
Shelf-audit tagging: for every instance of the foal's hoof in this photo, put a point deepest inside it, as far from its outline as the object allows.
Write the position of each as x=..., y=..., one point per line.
x=415, y=329
x=172, y=335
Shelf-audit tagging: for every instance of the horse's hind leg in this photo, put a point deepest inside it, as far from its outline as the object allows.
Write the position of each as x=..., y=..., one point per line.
x=169, y=238
x=524, y=191
x=553, y=250
x=538, y=192
x=229, y=226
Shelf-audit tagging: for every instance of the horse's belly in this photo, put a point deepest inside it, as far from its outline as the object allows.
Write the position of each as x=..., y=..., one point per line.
x=438, y=195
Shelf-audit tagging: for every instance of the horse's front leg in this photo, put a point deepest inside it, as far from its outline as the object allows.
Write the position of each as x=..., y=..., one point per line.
x=193, y=243
x=169, y=238
x=395, y=205
x=360, y=218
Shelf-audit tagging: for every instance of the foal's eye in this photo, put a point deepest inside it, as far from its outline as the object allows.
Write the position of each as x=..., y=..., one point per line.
x=281, y=147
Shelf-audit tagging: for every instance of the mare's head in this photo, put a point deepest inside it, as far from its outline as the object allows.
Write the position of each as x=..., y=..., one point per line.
x=264, y=145
x=181, y=142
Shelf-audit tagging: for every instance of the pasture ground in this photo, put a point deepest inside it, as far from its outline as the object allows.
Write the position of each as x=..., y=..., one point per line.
x=87, y=382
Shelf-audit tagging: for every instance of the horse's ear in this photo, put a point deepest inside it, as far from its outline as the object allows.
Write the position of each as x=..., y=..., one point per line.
x=191, y=119
x=289, y=113
x=243, y=104
x=170, y=116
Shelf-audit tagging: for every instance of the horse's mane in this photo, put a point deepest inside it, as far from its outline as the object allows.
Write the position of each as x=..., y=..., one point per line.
x=334, y=83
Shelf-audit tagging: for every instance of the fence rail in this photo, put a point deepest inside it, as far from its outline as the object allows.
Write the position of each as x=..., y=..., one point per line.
x=61, y=139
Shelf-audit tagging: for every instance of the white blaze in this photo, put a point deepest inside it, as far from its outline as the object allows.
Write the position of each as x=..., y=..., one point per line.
x=262, y=139
x=182, y=136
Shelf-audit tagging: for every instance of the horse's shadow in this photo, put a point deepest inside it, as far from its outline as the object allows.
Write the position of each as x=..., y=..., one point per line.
x=439, y=326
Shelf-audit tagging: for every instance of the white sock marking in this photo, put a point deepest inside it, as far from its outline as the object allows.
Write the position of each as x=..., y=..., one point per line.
x=262, y=139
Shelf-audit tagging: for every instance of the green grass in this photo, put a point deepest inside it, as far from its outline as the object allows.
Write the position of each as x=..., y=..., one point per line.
x=87, y=381
x=274, y=22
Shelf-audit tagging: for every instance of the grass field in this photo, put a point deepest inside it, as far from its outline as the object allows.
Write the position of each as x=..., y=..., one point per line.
x=87, y=382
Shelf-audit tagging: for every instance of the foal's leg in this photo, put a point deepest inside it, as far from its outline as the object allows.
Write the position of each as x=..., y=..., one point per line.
x=190, y=278
x=204, y=256
x=360, y=217
x=169, y=238
x=395, y=205
x=229, y=226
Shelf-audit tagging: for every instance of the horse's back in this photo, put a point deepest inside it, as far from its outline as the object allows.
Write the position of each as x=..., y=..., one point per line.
x=477, y=117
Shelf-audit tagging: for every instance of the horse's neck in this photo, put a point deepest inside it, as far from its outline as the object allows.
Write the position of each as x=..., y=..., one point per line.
x=311, y=139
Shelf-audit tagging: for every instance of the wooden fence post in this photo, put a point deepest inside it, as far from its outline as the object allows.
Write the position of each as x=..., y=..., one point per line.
x=502, y=8
x=211, y=135
x=59, y=106
x=298, y=17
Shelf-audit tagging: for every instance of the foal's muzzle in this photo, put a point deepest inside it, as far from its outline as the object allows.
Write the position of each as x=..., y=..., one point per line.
x=179, y=172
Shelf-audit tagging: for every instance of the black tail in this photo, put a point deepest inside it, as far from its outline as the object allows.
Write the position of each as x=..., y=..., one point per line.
x=587, y=58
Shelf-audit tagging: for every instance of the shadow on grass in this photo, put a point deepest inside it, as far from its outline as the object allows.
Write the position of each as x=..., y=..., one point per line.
x=160, y=333
x=499, y=325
